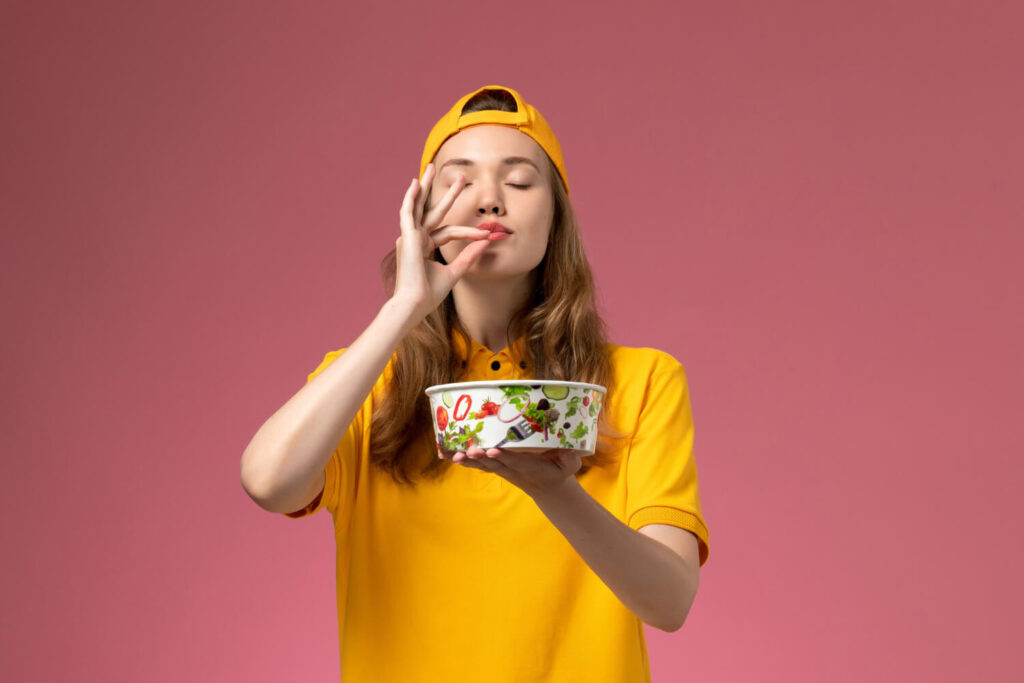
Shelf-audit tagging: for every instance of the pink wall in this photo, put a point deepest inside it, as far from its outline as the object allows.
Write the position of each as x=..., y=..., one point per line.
x=816, y=207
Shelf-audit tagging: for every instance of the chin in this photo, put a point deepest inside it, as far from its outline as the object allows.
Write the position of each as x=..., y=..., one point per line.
x=494, y=269
x=489, y=274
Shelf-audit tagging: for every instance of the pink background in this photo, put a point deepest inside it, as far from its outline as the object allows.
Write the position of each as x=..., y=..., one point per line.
x=815, y=206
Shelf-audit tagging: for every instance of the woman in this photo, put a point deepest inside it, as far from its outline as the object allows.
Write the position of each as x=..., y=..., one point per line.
x=491, y=565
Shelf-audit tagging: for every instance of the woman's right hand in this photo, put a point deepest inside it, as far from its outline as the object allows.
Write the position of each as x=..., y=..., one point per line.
x=420, y=281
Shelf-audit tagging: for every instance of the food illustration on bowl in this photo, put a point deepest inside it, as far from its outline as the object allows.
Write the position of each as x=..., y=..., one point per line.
x=525, y=415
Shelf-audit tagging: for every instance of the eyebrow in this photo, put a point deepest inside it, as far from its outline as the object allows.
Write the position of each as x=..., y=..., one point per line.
x=507, y=161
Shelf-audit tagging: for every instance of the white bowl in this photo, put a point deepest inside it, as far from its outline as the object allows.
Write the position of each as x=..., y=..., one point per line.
x=530, y=415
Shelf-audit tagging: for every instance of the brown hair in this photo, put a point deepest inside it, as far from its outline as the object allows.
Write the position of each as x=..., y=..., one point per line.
x=565, y=339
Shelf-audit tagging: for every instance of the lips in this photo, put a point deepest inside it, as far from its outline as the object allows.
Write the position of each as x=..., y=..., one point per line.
x=494, y=226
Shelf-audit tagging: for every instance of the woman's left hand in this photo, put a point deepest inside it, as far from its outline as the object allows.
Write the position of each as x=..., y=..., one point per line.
x=534, y=473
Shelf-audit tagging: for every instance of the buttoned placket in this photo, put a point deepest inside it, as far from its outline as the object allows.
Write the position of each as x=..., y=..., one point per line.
x=486, y=365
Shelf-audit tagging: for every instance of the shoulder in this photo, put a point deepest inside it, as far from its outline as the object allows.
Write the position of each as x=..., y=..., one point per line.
x=645, y=381
x=643, y=363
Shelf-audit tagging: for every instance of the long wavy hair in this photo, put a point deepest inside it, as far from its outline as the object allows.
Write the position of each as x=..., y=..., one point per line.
x=565, y=339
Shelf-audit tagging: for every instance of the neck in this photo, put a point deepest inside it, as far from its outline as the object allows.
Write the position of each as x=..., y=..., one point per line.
x=485, y=307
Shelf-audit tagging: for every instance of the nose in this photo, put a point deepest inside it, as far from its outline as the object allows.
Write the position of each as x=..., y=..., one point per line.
x=490, y=199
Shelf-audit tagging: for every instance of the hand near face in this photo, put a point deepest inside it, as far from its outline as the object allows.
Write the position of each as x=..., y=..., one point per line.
x=419, y=279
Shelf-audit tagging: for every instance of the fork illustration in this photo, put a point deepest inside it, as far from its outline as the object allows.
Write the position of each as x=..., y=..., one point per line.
x=520, y=430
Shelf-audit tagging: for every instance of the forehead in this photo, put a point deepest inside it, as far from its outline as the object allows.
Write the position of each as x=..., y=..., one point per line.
x=489, y=145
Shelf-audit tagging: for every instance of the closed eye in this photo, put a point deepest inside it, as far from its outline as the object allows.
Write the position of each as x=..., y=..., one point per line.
x=518, y=187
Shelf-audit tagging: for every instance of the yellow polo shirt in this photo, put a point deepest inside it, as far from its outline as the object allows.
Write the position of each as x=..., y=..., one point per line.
x=464, y=579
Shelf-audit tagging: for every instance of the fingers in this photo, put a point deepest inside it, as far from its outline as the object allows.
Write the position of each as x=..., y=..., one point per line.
x=454, y=456
x=441, y=209
x=421, y=199
x=470, y=454
x=467, y=457
x=448, y=233
x=466, y=258
x=478, y=459
x=405, y=217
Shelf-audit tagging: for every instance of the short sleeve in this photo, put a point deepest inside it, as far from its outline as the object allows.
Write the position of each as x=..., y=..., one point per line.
x=661, y=473
x=338, y=473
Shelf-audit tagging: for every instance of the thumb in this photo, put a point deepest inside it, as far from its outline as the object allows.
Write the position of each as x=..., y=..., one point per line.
x=466, y=257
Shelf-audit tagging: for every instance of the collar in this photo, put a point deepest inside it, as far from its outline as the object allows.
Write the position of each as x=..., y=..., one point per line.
x=481, y=363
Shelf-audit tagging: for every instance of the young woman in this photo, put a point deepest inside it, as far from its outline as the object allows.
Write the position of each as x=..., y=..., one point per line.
x=491, y=565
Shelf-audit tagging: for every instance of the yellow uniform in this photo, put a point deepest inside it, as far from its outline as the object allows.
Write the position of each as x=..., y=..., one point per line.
x=464, y=579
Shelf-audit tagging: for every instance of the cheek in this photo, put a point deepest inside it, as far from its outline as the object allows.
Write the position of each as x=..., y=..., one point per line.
x=542, y=249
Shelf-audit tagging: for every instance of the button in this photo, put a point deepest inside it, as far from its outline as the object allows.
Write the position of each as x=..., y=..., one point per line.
x=522, y=364
x=495, y=365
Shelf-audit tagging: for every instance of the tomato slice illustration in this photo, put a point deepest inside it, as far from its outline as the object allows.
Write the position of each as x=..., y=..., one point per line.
x=442, y=418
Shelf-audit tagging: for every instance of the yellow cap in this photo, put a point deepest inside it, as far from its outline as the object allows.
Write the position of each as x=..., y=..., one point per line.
x=526, y=118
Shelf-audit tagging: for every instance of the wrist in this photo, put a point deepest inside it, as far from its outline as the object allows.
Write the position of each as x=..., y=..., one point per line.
x=556, y=493
x=405, y=312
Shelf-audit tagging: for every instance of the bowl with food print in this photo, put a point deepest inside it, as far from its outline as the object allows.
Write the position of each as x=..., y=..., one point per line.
x=529, y=415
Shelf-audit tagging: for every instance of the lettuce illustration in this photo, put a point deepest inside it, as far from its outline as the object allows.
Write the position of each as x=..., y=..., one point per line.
x=461, y=438
x=574, y=404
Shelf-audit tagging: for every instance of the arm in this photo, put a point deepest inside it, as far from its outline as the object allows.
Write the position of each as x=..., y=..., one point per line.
x=282, y=467
x=654, y=572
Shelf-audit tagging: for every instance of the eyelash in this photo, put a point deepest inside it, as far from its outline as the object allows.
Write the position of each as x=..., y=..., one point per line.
x=518, y=187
